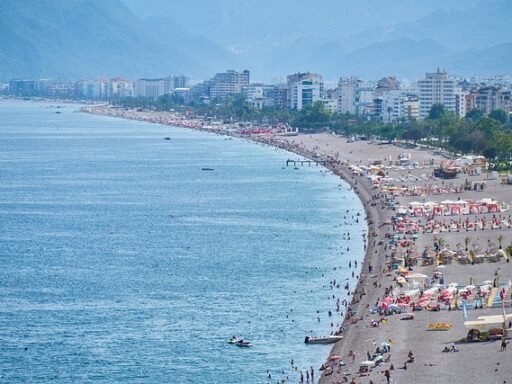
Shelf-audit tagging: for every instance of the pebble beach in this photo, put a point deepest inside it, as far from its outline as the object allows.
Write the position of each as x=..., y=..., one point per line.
x=432, y=244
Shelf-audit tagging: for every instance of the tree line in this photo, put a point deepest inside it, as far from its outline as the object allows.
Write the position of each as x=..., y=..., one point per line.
x=476, y=133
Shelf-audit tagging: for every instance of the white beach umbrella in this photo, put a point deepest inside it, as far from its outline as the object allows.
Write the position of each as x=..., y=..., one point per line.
x=416, y=276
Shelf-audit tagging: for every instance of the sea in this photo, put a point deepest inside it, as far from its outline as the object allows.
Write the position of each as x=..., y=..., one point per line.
x=129, y=258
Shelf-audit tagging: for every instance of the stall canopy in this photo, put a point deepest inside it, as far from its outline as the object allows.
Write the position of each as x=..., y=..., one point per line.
x=484, y=324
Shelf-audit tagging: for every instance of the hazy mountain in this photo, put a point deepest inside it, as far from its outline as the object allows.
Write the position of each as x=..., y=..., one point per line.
x=406, y=56
x=272, y=38
x=486, y=61
x=483, y=25
x=91, y=38
x=371, y=37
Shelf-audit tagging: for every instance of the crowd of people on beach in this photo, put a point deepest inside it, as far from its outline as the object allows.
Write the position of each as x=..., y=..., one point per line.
x=393, y=255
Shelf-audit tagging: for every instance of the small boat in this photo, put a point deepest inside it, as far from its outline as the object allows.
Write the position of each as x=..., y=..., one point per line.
x=207, y=169
x=242, y=343
x=167, y=138
x=322, y=339
x=239, y=342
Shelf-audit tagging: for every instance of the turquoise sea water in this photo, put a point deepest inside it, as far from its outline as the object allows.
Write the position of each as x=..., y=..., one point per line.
x=122, y=261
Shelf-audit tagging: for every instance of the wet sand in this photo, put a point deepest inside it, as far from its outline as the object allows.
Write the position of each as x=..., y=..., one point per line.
x=481, y=362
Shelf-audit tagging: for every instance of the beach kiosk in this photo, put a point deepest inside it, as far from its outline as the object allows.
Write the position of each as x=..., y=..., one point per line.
x=494, y=326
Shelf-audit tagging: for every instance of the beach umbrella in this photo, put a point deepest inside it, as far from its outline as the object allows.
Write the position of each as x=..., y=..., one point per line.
x=416, y=276
x=368, y=363
x=378, y=358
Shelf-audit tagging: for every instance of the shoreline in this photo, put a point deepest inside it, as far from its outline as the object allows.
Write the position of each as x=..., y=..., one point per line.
x=378, y=280
x=362, y=190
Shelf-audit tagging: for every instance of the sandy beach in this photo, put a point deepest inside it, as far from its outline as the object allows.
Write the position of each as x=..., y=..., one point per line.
x=419, y=226
x=479, y=362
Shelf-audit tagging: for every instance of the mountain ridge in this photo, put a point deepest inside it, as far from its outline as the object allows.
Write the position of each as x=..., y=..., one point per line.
x=73, y=39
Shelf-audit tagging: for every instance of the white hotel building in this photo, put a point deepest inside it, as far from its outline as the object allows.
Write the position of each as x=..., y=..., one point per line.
x=437, y=88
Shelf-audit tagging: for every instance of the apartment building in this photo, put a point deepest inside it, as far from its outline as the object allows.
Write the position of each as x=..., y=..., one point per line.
x=436, y=88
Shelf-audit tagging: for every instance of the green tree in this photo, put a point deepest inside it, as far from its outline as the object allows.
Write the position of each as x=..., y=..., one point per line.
x=500, y=115
x=474, y=115
x=436, y=111
x=312, y=118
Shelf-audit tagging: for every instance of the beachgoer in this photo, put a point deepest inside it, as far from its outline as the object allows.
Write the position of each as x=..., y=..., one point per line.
x=387, y=375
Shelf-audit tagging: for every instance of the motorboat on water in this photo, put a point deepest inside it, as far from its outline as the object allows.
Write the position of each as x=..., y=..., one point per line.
x=322, y=339
x=243, y=343
x=239, y=342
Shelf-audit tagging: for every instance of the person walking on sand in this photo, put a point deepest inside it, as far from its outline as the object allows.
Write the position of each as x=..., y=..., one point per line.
x=387, y=375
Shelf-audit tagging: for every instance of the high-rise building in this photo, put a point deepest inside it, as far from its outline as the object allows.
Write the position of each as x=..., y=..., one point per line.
x=490, y=98
x=436, y=88
x=398, y=105
x=21, y=87
x=346, y=93
x=92, y=89
x=119, y=87
x=259, y=95
x=386, y=84
x=229, y=82
x=364, y=94
x=180, y=81
x=159, y=87
x=280, y=95
x=152, y=87
x=304, y=89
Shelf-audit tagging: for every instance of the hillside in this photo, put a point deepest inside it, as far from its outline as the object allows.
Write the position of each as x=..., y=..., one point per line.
x=91, y=38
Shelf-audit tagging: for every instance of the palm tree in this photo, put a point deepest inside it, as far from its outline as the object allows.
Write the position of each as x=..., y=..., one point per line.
x=500, y=239
x=508, y=251
x=466, y=242
x=389, y=114
x=472, y=257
